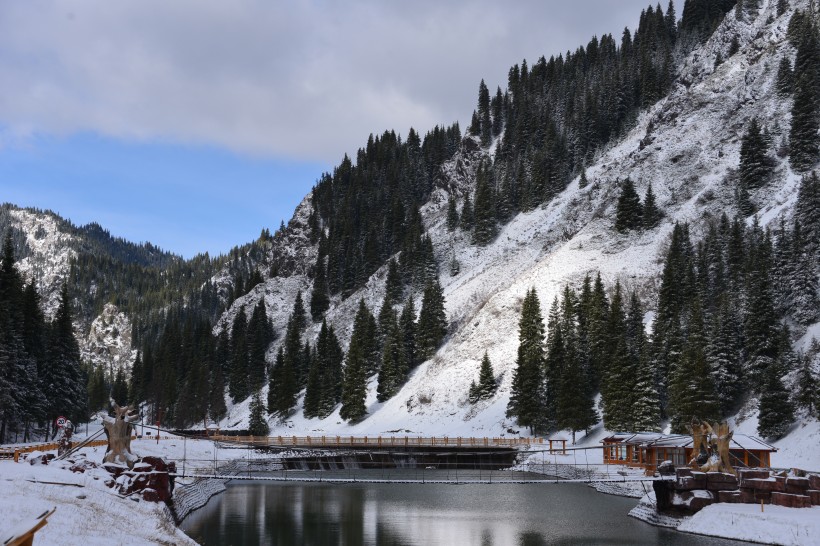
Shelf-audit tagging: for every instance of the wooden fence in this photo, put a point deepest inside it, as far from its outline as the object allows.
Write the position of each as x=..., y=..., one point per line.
x=378, y=441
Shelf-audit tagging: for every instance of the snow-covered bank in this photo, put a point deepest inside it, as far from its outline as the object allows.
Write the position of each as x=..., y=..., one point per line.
x=89, y=513
x=773, y=525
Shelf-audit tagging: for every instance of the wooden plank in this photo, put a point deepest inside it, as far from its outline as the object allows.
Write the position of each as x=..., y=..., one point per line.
x=23, y=534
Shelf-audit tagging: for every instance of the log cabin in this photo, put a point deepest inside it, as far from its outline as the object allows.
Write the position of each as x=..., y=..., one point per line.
x=648, y=449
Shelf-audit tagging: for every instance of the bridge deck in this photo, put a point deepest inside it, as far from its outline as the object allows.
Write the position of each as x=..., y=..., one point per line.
x=489, y=478
x=374, y=442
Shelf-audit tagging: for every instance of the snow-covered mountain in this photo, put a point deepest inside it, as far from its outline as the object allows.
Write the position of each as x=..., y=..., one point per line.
x=687, y=146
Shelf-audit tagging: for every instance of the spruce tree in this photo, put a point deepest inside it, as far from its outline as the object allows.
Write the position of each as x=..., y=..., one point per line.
x=257, y=425
x=582, y=181
x=394, y=288
x=484, y=222
x=239, y=386
x=776, y=410
x=67, y=387
x=394, y=367
x=432, y=322
x=785, y=77
x=651, y=212
x=618, y=376
x=486, y=386
x=354, y=385
x=629, y=212
x=319, y=298
x=259, y=338
x=467, y=214
x=484, y=114
x=755, y=168
x=806, y=397
x=526, y=394
x=804, y=138
x=452, y=213
x=407, y=322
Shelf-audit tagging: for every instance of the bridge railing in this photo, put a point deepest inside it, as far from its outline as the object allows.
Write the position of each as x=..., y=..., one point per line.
x=380, y=441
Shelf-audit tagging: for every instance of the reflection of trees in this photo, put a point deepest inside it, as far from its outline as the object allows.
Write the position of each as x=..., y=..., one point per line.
x=531, y=538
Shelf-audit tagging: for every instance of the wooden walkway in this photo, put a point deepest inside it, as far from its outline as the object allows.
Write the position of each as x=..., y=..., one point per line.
x=382, y=442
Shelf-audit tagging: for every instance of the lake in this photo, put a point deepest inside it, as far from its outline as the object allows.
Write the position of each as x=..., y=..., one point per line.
x=256, y=512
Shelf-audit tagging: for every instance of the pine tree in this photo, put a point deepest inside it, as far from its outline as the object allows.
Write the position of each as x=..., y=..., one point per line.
x=432, y=322
x=760, y=322
x=452, y=213
x=526, y=395
x=755, y=168
x=691, y=391
x=484, y=114
x=629, y=211
x=259, y=338
x=484, y=223
x=407, y=322
x=467, y=214
x=66, y=387
x=238, y=385
x=486, y=386
x=119, y=391
x=804, y=137
x=394, y=288
x=808, y=393
x=785, y=77
x=354, y=385
x=319, y=298
x=724, y=356
x=257, y=425
x=394, y=367
x=619, y=376
x=651, y=213
x=582, y=181
x=776, y=410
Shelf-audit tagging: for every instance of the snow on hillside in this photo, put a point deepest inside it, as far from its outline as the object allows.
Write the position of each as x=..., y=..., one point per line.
x=108, y=342
x=51, y=255
x=686, y=146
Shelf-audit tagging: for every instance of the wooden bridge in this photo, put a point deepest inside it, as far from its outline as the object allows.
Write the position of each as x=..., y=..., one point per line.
x=389, y=442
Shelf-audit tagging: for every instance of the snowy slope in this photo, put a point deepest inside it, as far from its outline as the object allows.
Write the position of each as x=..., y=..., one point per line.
x=686, y=146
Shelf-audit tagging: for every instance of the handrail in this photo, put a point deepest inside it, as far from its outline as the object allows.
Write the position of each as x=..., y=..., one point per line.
x=378, y=441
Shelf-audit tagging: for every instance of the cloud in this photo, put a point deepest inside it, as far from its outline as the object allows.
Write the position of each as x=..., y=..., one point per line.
x=303, y=79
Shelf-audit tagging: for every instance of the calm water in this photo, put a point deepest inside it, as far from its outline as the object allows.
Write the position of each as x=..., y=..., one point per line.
x=251, y=513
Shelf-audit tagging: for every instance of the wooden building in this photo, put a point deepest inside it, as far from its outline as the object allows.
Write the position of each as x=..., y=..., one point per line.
x=648, y=449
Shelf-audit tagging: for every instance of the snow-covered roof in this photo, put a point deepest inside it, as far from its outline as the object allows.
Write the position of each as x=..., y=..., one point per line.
x=653, y=439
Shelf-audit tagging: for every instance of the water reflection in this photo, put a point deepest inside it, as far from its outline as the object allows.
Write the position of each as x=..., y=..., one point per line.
x=250, y=513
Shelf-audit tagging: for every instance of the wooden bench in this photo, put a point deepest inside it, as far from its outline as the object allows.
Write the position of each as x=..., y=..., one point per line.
x=23, y=534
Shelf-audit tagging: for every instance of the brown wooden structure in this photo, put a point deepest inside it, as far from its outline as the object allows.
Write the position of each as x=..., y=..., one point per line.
x=23, y=534
x=648, y=449
x=381, y=441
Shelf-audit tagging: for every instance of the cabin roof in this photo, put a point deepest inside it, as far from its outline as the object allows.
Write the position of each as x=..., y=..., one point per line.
x=654, y=439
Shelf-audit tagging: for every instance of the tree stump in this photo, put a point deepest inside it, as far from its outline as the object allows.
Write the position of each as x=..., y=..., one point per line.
x=118, y=431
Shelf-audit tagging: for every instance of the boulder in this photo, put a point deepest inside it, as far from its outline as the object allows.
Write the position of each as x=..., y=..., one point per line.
x=797, y=486
x=82, y=465
x=791, y=501
x=770, y=484
x=720, y=481
x=752, y=473
x=730, y=496
x=814, y=481
x=814, y=495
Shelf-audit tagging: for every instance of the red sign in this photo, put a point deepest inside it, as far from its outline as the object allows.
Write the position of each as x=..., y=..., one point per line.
x=61, y=421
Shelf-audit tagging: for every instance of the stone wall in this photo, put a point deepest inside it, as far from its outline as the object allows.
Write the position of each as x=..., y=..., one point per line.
x=692, y=490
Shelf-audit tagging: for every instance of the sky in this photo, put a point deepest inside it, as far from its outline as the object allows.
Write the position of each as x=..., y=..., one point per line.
x=193, y=124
